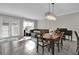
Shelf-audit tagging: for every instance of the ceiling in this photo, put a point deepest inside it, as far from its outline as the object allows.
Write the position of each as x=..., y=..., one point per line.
x=37, y=11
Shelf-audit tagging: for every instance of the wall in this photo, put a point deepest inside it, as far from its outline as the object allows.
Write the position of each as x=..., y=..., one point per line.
x=70, y=21
x=0, y=24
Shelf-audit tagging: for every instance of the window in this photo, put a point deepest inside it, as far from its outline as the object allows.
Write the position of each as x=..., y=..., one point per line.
x=5, y=30
x=10, y=29
x=14, y=29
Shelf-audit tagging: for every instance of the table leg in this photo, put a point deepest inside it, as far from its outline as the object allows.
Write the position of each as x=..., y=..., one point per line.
x=61, y=43
x=52, y=45
x=37, y=45
x=71, y=37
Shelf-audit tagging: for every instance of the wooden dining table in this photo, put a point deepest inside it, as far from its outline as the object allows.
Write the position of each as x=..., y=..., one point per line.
x=51, y=38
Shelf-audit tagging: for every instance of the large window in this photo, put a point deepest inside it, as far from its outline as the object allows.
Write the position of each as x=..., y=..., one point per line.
x=10, y=29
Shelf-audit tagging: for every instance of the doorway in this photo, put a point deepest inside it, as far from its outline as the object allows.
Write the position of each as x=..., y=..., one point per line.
x=27, y=26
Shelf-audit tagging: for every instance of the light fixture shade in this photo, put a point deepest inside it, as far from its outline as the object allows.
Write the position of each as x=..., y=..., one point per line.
x=50, y=16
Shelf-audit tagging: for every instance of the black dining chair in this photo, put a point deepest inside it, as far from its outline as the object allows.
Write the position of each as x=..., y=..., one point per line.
x=59, y=42
x=61, y=39
x=41, y=42
x=77, y=41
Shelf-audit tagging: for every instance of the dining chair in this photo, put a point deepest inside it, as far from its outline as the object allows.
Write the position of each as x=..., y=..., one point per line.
x=60, y=41
x=77, y=50
x=41, y=42
x=62, y=36
x=63, y=30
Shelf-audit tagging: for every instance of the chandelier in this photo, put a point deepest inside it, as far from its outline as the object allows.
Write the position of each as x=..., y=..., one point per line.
x=50, y=14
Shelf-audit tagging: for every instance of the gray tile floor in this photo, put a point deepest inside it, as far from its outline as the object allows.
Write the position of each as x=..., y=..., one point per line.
x=28, y=47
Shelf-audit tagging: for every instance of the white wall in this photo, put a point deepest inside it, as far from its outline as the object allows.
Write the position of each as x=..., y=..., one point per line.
x=67, y=21
x=0, y=25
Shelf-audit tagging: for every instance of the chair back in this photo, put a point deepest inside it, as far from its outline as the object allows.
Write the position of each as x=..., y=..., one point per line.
x=76, y=35
x=77, y=40
x=61, y=36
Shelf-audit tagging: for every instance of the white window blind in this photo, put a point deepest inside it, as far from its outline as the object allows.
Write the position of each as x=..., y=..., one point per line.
x=5, y=30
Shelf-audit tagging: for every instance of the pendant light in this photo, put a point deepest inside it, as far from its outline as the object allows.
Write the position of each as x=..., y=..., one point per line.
x=50, y=14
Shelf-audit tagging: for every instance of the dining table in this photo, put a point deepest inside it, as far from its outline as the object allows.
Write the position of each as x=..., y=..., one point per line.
x=51, y=38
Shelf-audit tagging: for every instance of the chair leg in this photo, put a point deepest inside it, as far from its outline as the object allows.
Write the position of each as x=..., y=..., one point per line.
x=37, y=48
x=37, y=45
x=49, y=47
x=42, y=50
x=71, y=37
x=61, y=44
x=77, y=47
x=58, y=46
x=78, y=52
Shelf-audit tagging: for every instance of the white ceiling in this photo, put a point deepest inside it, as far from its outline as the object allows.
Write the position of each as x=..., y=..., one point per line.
x=37, y=10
